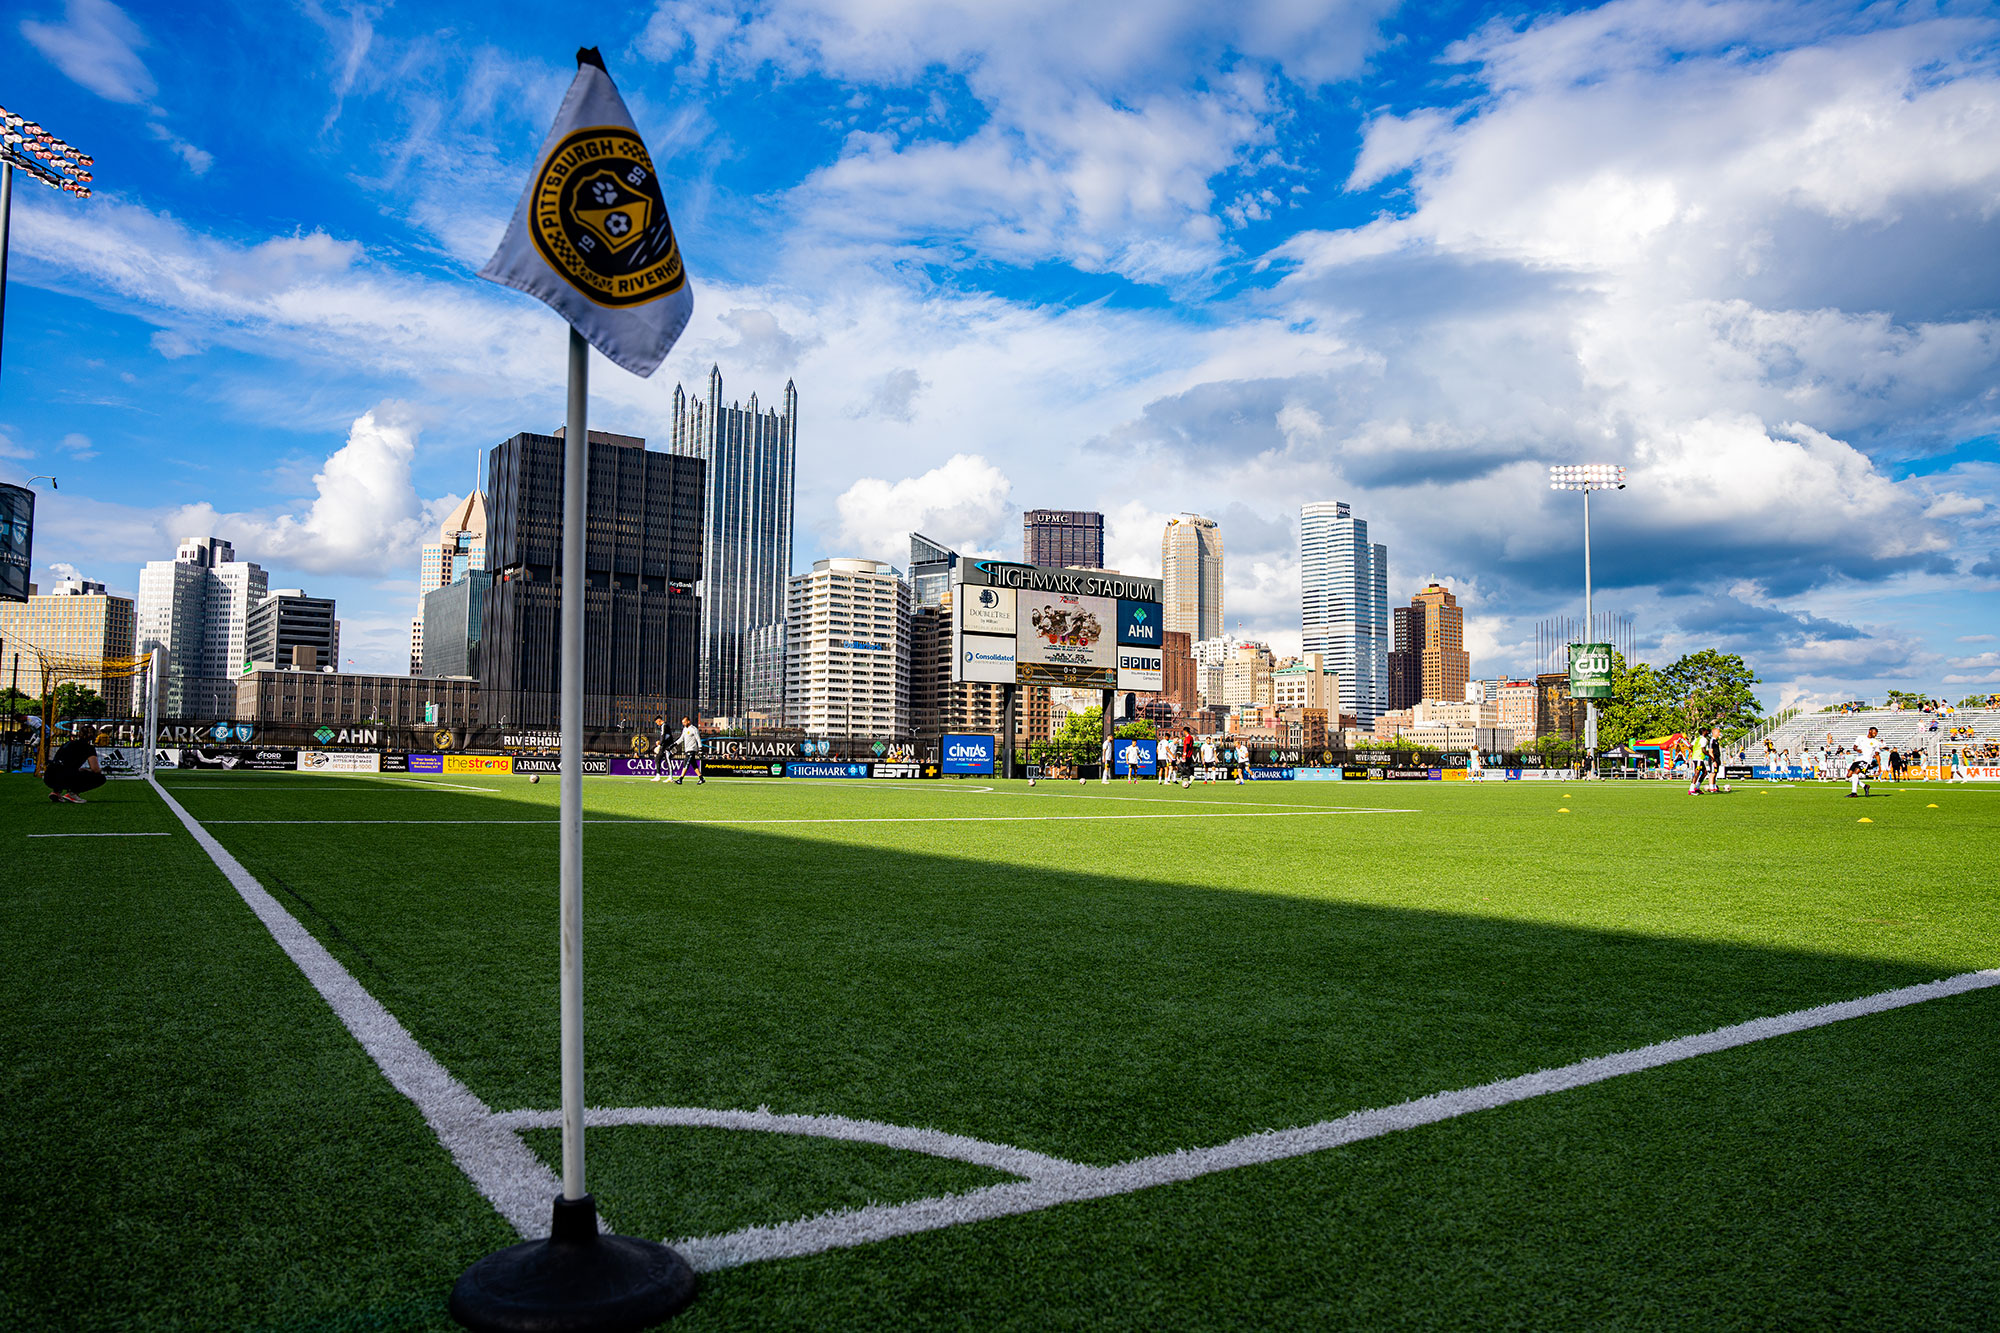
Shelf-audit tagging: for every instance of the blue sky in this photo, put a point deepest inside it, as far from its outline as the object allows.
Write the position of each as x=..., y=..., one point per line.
x=1139, y=258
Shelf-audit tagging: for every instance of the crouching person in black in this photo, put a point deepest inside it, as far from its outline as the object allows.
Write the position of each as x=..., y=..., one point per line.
x=72, y=771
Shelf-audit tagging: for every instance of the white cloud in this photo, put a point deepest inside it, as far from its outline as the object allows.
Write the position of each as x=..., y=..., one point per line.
x=198, y=160
x=78, y=446
x=962, y=503
x=365, y=518
x=97, y=45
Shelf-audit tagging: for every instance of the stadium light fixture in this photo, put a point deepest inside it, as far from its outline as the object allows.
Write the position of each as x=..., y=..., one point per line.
x=56, y=164
x=1587, y=477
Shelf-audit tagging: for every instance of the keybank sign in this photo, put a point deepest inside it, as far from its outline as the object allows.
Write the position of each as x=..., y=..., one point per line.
x=968, y=756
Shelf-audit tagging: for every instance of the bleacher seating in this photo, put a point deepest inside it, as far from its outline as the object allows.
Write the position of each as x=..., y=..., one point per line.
x=1900, y=728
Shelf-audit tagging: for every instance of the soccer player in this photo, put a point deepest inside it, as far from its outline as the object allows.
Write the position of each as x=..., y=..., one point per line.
x=690, y=753
x=1475, y=766
x=662, y=746
x=1867, y=755
x=1712, y=759
x=1208, y=761
x=1187, y=758
x=72, y=771
x=1105, y=776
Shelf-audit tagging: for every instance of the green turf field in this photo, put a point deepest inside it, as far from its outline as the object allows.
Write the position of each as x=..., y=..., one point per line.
x=1066, y=979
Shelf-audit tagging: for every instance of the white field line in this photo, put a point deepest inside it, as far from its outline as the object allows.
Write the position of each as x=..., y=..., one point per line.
x=98, y=835
x=932, y=1142
x=862, y=1226
x=420, y=783
x=488, y=1149
x=495, y=1160
x=863, y=819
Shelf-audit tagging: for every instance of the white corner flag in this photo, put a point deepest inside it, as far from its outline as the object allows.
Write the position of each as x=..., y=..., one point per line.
x=591, y=237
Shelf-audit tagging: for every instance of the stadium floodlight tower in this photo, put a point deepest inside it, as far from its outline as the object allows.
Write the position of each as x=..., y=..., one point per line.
x=26, y=145
x=1587, y=477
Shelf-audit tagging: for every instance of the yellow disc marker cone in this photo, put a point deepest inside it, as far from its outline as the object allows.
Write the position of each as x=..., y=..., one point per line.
x=1563, y=811
x=1931, y=806
x=1864, y=820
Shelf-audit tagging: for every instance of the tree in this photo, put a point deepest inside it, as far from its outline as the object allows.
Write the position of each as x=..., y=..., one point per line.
x=1712, y=689
x=74, y=700
x=1907, y=698
x=1080, y=740
x=1137, y=731
x=1555, y=747
x=1976, y=701
x=1640, y=707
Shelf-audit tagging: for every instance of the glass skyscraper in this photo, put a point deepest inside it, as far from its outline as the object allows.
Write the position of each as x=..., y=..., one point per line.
x=1344, y=605
x=746, y=540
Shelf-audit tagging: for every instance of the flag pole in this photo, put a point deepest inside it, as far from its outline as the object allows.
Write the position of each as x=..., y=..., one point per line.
x=579, y=1278
x=576, y=484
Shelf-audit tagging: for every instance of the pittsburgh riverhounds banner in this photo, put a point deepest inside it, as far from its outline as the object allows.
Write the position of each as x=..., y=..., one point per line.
x=591, y=237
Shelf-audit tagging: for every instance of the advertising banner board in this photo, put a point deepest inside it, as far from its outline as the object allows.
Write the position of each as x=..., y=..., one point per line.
x=265, y=761
x=1257, y=773
x=968, y=756
x=1066, y=639
x=743, y=768
x=1590, y=670
x=1133, y=755
x=814, y=770
x=986, y=611
x=1411, y=774
x=395, y=763
x=1357, y=773
x=1141, y=624
x=904, y=771
x=1317, y=775
x=986, y=659
x=1141, y=669
x=122, y=761
x=1735, y=772
x=426, y=763
x=492, y=765
x=339, y=761
x=593, y=764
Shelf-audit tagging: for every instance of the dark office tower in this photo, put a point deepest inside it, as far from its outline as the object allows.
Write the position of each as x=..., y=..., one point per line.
x=289, y=627
x=1406, y=658
x=1063, y=538
x=642, y=565
x=746, y=538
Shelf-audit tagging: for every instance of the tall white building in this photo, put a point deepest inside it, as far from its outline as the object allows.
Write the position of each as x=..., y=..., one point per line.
x=847, y=650
x=459, y=550
x=197, y=607
x=1191, y=570
x=1344, y=605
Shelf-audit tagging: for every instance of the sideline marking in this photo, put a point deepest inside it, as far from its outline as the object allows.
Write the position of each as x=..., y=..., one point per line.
x=488, y=1149
x=871, y=819
x=99, y=835
x=495, y=1160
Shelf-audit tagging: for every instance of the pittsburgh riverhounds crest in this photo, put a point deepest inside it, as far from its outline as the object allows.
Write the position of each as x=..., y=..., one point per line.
x=600, y=222
x=591, y=237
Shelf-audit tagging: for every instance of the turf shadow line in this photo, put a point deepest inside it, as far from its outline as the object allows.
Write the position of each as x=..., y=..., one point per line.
x=1075, y=1183
x=496, y=1161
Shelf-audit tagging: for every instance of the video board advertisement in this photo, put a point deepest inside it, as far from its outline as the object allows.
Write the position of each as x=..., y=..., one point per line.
x=1066, y=639
x=986, y=658
x=986, y=610
x=1141, y=624
x=1142, y=670
x=968, y=756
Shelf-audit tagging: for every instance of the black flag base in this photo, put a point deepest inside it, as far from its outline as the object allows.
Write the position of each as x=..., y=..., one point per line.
x=574, y=1281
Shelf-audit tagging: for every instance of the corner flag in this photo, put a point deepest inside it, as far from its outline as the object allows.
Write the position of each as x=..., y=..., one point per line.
x=591, y=238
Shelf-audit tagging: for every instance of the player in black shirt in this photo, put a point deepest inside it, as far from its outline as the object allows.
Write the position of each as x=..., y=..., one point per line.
x=72, y=771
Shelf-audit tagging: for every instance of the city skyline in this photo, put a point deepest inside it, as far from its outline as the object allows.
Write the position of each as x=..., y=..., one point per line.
x=1316, y=277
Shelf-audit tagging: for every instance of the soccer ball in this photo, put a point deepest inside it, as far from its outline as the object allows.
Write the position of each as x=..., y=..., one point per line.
x=1031, y=782
x=1725, y=786
x=535, y=777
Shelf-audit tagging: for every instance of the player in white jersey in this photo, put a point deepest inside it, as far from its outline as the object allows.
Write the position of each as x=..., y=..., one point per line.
x=1208, y=761
x=1867, y=757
